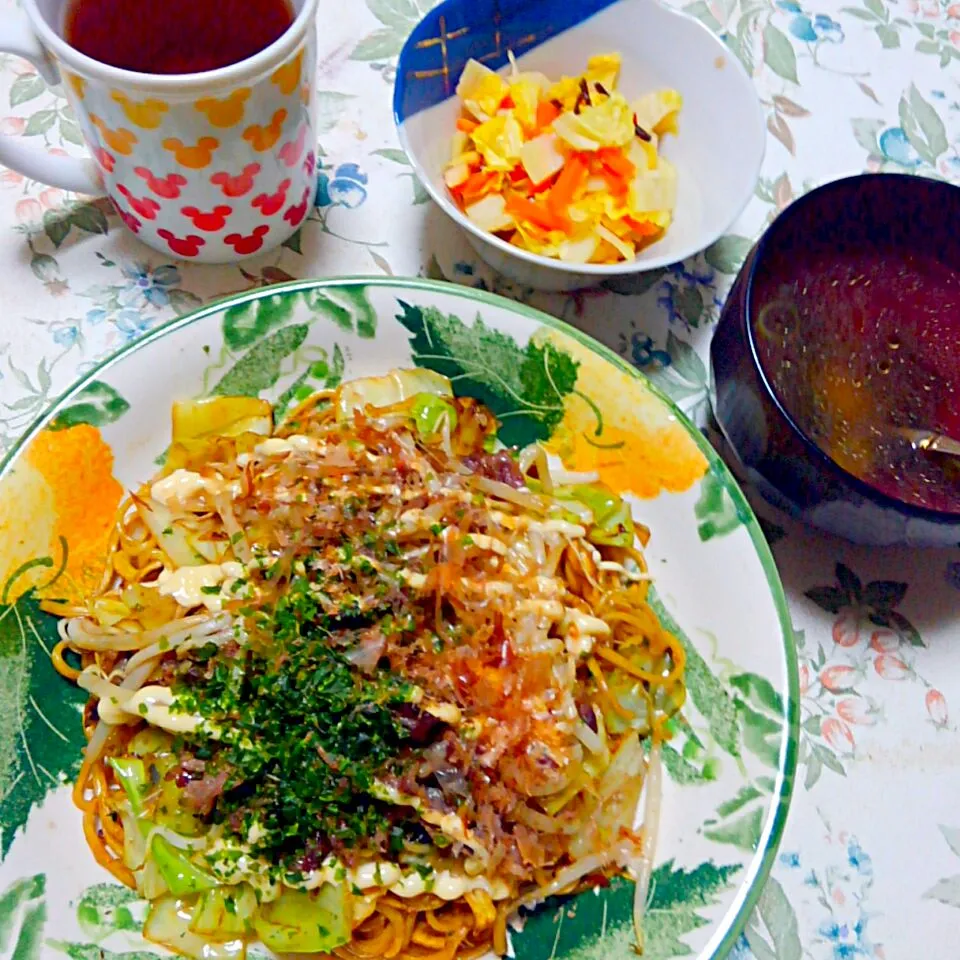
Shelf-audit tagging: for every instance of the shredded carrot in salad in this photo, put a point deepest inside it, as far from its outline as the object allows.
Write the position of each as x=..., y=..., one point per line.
x=569, y=169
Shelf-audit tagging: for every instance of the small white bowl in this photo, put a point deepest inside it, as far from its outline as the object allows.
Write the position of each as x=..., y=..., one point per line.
x=718, y=151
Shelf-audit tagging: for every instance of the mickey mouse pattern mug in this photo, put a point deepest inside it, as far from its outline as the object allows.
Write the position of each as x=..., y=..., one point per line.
x=211, y=167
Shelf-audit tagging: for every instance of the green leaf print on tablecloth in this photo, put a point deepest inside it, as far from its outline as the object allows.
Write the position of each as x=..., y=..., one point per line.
x=604, y=930
x=524, y=386
x=772, y=928
x=44, y=740
x=947, y=890
x=23, y=912
x=96, y=404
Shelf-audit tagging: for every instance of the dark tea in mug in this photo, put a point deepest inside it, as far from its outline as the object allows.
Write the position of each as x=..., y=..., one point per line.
x=174, y=36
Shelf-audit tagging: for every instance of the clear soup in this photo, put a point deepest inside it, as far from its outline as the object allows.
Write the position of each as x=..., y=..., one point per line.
x=860, y=339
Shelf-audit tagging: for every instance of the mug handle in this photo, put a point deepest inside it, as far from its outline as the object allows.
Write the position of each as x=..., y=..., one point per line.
x=68, y=173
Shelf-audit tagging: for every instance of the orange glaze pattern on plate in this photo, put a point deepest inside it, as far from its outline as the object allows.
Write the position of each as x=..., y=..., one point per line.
x=636, y=448
x=64, y=487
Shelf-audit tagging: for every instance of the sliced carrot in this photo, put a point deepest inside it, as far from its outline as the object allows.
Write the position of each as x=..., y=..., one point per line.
x=523, y=209
x=507, y=103
x=547, y=112
x=643, y=228
x=477, y=185
x=613, y=159
x=518, y=173
x=615, y=184
x=572, y=176
x=466, y=125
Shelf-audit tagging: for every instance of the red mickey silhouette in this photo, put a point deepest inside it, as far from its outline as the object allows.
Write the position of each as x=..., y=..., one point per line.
x=215, y=219
x=246, y=245
x=270, y=203
x=167, y=187
x=145, y=206
x=128, y=218
x=188, y=246
x=309, y=163
x=290, y=152
x=240, y=184
x=105, y=159
x=295, y=214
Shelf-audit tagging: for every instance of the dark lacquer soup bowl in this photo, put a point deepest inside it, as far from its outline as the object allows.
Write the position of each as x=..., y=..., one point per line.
x=838, y=345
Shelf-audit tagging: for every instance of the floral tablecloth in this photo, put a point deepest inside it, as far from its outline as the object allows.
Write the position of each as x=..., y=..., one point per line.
x=870, y=864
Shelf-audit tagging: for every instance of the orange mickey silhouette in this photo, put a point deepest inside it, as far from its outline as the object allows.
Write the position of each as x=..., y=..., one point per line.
x=246, y=245
x=105, y=159
x=147, y=113
x=270, y=203
x=227, y=112
x=145, y=206
x=240, y=184
x=215, y=219
x=291, y=151
x=78, y=83
x=263, y=138
x=288, y=76
x=196, y=157
x=295, y=214
x=188, y=246
x=167, y=187
x=120, y=140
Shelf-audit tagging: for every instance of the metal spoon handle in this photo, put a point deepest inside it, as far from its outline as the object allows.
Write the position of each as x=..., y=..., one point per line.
x=934, y=442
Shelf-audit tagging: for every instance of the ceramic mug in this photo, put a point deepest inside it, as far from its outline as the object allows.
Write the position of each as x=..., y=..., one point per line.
x=211, y=166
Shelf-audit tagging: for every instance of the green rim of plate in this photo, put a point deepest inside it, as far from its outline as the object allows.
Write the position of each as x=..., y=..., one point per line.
x=776, y=819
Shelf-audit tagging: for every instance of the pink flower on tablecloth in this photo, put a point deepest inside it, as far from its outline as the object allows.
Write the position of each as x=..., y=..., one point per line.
x=855, y=710
x=955, y=38
x=884, y=640
x=953, y=11
x=804, y=679
x=838, y=678
x=51, y=198
x=12, y=126
x=838, y=735
x=838, y=896
x=10, y=178
x=891, y=667
x=28, y=210
x=846, y=629
x=937, y=707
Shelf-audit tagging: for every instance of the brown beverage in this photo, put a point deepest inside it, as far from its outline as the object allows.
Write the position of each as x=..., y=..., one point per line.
x=174, y=36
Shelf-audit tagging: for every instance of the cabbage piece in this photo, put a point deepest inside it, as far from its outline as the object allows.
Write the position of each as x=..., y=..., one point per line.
x=499, y=141
x=221, y=417
x=429, y=413
x=225, y=913
x=604, y=69
x=490, y=213
x=605, y=124
x=481, y=90
x=612, y=521
x=656, y=112
x=578, y=251
x=541, y=157
x=654, y=189
x=390, y=389
x=168, y=924
x=179, y=874
x=525, y=90
x=299, y=921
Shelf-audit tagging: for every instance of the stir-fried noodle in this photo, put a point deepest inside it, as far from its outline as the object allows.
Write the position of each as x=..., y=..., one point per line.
x=364, y=684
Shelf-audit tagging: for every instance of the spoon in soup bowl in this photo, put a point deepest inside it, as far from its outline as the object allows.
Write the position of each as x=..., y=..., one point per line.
x=931, y=442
